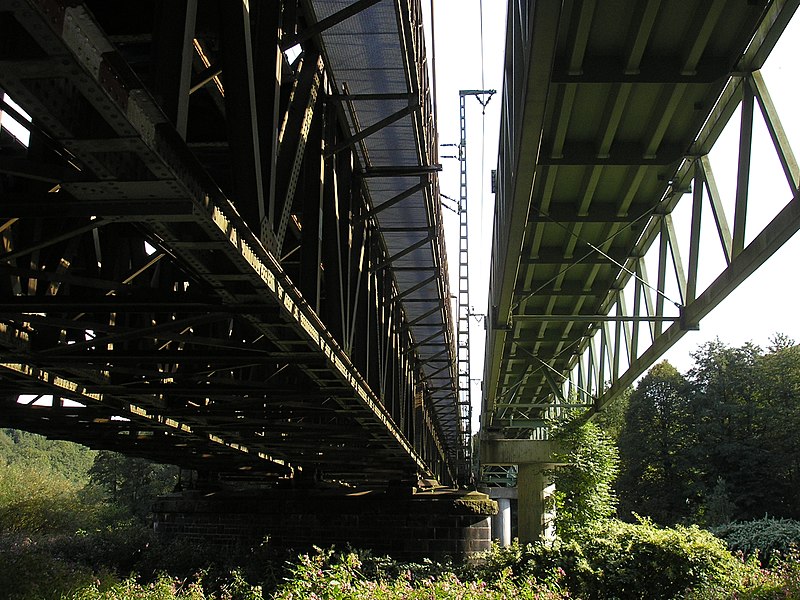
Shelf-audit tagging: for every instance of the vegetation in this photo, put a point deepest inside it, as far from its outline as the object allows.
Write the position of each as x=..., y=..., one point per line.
x=715, y=447
x=70, y=461
x=769, y=539
x=620, y=560
x=584, y=496
x=131, y=484
x=719, y=444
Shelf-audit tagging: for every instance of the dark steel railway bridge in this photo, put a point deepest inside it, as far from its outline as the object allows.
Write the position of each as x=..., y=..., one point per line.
x=223, y=244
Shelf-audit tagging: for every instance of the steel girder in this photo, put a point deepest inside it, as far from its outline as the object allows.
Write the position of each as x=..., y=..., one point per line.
x=192, y=266
x=609, y=116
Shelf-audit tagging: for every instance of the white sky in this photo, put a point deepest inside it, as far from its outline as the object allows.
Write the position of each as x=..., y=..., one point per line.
x=766, y=303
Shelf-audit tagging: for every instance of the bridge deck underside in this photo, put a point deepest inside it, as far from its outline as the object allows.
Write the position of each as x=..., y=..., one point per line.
x=136, y=284
x=602, y=107
x=380, y=82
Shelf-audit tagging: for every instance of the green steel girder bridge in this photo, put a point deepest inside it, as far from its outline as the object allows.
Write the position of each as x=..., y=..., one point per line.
x=223, y=243
x=610, y=110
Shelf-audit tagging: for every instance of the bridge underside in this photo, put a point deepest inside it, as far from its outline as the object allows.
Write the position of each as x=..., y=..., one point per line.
x=222, y=245
x=610, y=110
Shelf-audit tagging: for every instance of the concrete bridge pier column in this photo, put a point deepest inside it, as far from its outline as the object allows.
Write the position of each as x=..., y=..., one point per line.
x=501, y=522
x=533, y=458
x=531, y=503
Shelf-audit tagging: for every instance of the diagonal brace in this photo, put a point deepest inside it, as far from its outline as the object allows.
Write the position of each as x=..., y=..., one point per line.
x=392, y=201
x=326, y=23
x=402, y=253
x=374, y=128
x=416, y=287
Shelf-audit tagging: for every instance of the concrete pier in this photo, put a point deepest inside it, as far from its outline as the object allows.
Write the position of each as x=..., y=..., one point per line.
x=501, y=522
x=533, y=458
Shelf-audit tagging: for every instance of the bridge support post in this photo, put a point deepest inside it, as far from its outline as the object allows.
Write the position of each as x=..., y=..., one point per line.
x=434, y=523
x=530, y=488
x=501, y=522
x=534, y=458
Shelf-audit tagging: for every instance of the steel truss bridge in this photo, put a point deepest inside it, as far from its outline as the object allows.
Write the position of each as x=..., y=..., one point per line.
x=610, y=110
x=223, y=244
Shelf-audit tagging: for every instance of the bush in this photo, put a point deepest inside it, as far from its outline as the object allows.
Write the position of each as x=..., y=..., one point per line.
x=40, y=501
x=583, y=495
x=644, y=561
x=163, y=588
x=29, y=572
x=765, y=538
x=622, y=560
x=331, y=575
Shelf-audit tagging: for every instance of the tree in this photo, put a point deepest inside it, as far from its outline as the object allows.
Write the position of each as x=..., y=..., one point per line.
x=612, y=418
x=132, y=483
x=584, y=494
x=719, y=443
x=657, y=476
x=748, y=415
x=778, y=396
x=68, y=459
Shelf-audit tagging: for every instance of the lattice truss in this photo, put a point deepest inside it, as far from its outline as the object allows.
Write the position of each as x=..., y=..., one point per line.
x=648, y=309
x=200, y=263
x=673, y=260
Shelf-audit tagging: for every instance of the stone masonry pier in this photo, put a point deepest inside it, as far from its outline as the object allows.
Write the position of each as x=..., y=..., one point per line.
x=430, y=524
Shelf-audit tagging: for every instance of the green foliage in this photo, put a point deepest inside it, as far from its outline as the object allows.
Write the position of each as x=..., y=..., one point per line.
x=717, y=444
x=657, y=474
x=619, y=561
x=163, y=588
x=583, y=493
x=624, y=560
x=131, y=483
x=747, y=410
x=756, y=583
x=719, y=508
x=644, y=561
x=557, y=565
x=765, y=537
x=69, y=460
x=28, y=572
x=612, y=418
x=730, y=422
x=327, y=574
x=36, y=500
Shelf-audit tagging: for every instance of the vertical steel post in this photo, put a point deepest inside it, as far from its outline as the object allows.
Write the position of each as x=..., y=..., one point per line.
x=743, y=174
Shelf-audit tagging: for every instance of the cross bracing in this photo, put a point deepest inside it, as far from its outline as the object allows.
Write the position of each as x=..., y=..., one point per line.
x=611, y=111
x=222, y=246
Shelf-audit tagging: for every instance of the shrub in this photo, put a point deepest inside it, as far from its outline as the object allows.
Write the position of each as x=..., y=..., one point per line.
x=553, y=565
x=583, y=493
x=331, y=575
x=29, y=573
x=39, y=501
x=644, y=561
x=622, y=560
x=764, y=538
x=163, y=588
